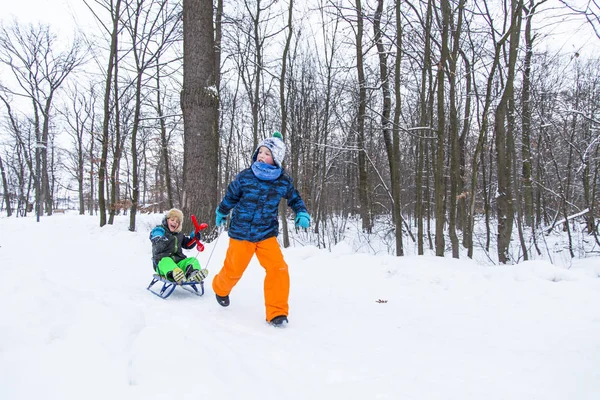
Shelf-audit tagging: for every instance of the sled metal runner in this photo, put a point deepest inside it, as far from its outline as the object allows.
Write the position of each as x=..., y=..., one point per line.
x=168, y=286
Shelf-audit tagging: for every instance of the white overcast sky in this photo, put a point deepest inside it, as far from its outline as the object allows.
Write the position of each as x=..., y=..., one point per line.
x=51, y=11
x=65, y=16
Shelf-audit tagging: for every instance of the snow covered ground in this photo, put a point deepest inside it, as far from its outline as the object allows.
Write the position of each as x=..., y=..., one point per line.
x=78, y=323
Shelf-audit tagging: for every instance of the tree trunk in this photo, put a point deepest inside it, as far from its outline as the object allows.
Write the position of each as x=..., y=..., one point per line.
x=47, y=167
x=199, y=103
x=360, y=128
x=478, y=155
x=440, y=187
x=119, y=142
x=164, y=144
x=5, y=189
x=462, y=212
x=115, y=14
x=283, y=107
x=424, y=121
x=258, y=67
x=92, y=171
x=135, y=186
x=504, y=199
x=526, y=121
x=391, y=143
x=455, y=175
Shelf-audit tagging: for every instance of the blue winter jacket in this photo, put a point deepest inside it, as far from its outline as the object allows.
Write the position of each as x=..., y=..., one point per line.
x=255, y=205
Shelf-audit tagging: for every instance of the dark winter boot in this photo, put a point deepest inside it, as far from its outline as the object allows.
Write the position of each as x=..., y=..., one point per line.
x=223, y=300
x=279, y=321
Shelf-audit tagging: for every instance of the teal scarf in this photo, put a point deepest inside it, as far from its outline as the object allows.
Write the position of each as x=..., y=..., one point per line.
x=266, y=172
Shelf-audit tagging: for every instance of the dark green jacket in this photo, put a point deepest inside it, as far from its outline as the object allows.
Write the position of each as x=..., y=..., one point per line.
x=168, y=244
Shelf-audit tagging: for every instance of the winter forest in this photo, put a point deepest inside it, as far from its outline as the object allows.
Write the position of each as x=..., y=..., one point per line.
x=442, y=127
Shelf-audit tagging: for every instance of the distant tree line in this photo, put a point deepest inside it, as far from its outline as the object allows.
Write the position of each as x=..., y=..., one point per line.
x=432, y=119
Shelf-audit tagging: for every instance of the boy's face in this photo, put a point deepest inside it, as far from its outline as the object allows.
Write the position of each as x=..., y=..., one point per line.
x=173, y=224
x=264, y=155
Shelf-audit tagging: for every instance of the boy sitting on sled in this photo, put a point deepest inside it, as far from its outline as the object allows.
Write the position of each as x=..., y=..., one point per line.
x=167, y=255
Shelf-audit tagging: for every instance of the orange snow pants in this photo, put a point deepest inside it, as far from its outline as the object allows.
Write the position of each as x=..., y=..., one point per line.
x=270, y=257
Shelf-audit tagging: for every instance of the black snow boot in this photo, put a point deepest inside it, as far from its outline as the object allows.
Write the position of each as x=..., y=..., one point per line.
x=279, y=321
x=223, y=300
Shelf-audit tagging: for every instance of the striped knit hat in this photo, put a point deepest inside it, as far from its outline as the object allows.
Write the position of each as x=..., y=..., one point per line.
x=277, y=147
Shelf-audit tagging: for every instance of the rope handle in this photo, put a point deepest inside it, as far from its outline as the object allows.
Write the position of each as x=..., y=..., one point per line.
x=220, y=229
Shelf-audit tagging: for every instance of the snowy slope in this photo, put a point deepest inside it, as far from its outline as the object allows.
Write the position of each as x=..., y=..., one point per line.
x=78, y=323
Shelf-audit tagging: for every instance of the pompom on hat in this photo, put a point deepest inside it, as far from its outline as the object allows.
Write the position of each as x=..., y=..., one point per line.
x=174, y=212
x=274, y=143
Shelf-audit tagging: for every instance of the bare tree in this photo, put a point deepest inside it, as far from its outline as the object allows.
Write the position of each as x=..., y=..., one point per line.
x=39, y=67
x=390, y=132
x=152, y=27
x=424, y=121
x=590, y=10
x=526, y=111
x=365, y=213
x=283, y=106
x=455, y=156
x=505, y=139
x=23, y=162
x=440, y=187
x=478, y=152
x=79, y=117
x=6, y=189
x=164, y=140
x=120, y=112
x=330, y=31
x=114, y=9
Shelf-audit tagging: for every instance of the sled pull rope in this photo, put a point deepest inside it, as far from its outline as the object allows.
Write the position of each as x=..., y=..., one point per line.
x=213, y=249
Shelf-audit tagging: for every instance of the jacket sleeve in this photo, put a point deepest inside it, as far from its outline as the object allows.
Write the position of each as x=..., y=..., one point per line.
x=294, y=200
x=232, y=196
x=160, y=241
x=187, y=242
x=157, y=234
x=161, y=244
